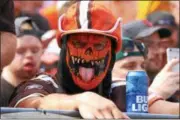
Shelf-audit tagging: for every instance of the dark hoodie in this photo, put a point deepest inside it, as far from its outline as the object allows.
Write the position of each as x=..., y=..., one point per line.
x=7, y=16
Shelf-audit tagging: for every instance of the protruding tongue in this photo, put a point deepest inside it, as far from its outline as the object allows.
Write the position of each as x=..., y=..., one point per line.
x=86, y=73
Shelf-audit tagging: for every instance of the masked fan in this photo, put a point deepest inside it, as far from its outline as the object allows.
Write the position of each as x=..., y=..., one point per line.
x=89, y=35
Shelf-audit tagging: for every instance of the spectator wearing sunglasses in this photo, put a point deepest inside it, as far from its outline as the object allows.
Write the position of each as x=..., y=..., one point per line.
x=155, y=64
x=151, y=36
x=167, y=20
x=26, y=62
x=132, y=57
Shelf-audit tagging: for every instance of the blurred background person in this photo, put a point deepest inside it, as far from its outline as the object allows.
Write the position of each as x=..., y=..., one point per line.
x=156, y=59
x=167, y=20
x=26, y=62
x=7, y=32
x=145, y=28
x=155, y=40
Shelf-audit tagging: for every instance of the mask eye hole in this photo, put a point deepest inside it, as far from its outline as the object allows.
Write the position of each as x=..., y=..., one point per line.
x=78, y=44
x=101, y=45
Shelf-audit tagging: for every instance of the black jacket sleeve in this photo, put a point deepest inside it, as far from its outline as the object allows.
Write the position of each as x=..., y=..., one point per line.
x=7, y=16
x=39, y=86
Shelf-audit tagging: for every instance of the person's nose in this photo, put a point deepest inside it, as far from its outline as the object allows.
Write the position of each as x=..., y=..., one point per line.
x=162, y=50
x=29, y=54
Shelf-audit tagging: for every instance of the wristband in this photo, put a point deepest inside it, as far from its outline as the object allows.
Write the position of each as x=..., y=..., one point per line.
x=153, y=97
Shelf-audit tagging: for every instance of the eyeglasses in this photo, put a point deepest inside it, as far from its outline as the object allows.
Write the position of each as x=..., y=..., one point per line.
x=129, y=47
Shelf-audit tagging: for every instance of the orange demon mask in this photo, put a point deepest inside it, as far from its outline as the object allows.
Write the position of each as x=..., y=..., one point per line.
x=88, y=57
x=90, y=28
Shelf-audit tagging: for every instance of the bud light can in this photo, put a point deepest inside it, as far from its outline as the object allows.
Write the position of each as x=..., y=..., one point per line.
x=137, y=92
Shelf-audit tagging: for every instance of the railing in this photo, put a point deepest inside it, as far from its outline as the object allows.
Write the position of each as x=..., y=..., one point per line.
x=17, y=112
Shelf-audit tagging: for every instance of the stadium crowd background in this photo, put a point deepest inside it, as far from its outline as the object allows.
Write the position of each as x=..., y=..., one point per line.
x=46, y=14
x=44, y=51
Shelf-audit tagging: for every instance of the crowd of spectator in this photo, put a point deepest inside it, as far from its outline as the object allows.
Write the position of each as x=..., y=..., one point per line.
x=71, y=55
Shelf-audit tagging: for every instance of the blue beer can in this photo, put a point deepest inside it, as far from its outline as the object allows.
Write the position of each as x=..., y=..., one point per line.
x=137, y=92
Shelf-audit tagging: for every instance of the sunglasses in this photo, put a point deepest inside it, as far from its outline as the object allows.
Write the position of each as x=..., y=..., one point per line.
x=130, y=45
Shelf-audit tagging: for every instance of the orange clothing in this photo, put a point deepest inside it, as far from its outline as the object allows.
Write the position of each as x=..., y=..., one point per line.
x=51, y=14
